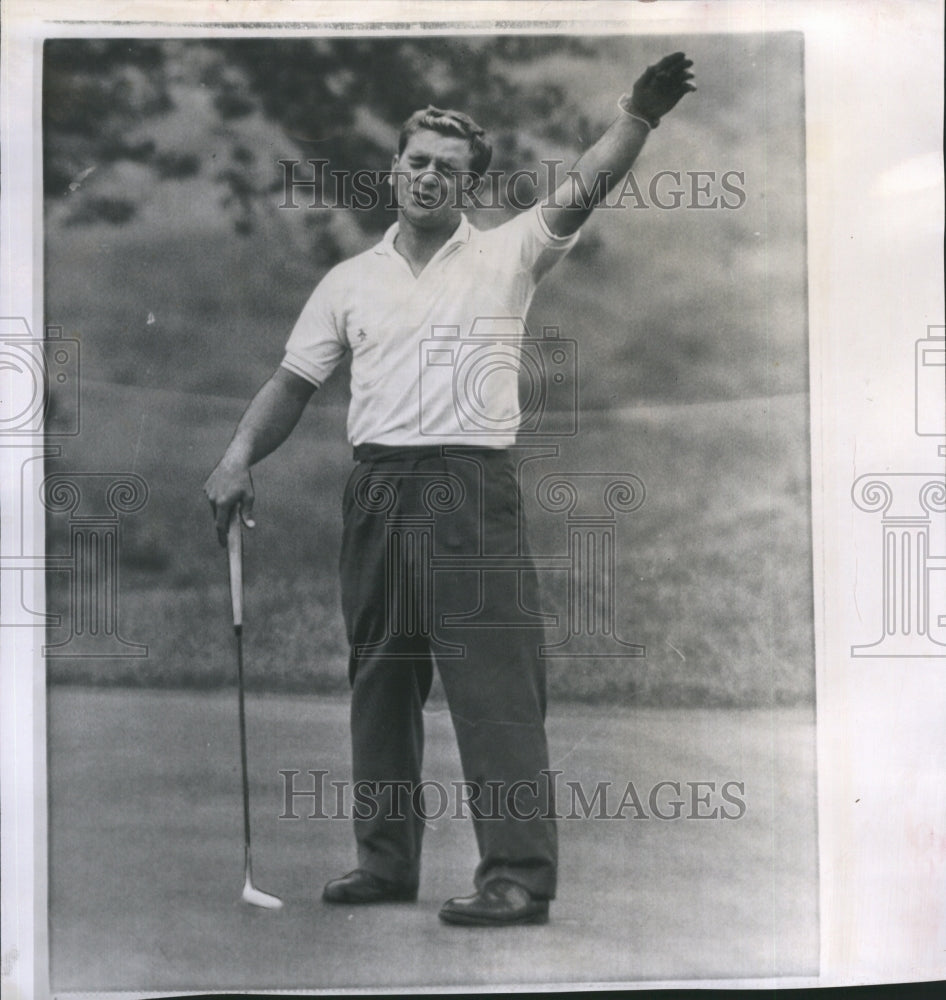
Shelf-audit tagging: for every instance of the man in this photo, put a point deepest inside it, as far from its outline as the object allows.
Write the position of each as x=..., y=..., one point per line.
x=420, y=463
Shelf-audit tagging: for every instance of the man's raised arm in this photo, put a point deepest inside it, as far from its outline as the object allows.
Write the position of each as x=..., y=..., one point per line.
x=267, y=422
x=609, y=159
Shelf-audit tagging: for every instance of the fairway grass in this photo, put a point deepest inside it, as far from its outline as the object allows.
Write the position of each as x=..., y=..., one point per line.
x=714, y=570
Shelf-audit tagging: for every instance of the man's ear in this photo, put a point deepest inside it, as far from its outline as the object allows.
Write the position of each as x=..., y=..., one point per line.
x=394, y=160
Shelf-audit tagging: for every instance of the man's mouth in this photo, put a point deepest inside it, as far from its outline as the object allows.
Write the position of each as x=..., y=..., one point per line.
x=427, y=199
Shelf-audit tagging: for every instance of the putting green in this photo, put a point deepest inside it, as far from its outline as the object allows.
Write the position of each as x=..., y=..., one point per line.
x=146, y=852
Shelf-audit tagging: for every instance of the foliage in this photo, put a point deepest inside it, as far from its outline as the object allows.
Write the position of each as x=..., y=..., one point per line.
x=336, y=98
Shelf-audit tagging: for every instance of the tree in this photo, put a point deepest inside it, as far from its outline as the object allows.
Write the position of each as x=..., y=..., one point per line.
x=339, y=99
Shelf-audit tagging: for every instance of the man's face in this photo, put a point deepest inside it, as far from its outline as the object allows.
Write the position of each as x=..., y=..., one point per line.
x=429, y=177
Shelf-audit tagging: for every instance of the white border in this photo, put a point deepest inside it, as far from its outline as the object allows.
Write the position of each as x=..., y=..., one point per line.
x=874, y=187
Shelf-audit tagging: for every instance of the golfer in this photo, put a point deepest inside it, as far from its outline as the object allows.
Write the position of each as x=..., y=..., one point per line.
x=425, y=457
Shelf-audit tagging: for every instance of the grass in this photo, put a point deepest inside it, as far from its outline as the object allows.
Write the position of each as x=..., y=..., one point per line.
x=714, y=569
x=146, y=853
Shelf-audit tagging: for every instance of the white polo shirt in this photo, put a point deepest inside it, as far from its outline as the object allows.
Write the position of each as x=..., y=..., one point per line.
x=434, y=357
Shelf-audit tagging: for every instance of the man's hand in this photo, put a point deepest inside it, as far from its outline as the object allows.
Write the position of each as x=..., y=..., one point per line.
x=268, y=420
x=230, y=485
x=608, y=160
x=660, y=87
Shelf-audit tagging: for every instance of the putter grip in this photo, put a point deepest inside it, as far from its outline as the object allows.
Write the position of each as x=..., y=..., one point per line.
x=235, y=553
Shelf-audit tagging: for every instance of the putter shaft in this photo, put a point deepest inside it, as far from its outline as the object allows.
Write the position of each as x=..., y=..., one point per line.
x=235, y=557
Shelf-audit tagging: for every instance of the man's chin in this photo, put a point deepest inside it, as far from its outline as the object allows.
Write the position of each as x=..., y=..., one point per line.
x=433, y=217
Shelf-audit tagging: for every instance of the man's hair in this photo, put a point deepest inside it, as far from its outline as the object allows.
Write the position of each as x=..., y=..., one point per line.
x=449, y=123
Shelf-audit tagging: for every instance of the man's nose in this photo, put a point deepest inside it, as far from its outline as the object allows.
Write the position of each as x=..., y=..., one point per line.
x=428, y=176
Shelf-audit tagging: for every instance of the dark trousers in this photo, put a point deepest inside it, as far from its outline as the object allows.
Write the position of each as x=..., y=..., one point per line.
x=418, y=523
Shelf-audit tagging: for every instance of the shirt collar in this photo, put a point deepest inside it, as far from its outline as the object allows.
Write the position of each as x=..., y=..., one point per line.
x=460, y=235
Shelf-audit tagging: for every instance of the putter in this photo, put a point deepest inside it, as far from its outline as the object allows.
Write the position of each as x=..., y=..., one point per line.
x=251, y=895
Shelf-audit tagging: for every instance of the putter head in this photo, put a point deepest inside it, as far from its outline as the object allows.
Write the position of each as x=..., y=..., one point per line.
x=256, y=897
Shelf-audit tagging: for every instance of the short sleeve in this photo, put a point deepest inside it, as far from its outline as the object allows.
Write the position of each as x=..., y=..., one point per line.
x=529, y=240
x=317, y=343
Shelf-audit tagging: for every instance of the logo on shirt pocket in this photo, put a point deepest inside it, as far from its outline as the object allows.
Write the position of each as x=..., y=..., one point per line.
x=366, y=357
